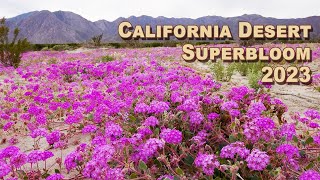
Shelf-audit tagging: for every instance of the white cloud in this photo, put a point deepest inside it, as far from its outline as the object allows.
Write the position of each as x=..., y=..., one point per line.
x=112, y=9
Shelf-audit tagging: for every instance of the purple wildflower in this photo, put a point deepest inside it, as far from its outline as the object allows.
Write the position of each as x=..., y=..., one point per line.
x=213, y=116
x=114, y=173
x=158, y=107
x=309, y=175
x=55, y=177
x=259, y=128
x=89, y=129
x=34, y=156
x=113, y=130
x=196, y=118
x=255, y=110
x=39, y=132
x=316, y=138
x=53, y=137
x=236, y=148
x=8, y=125
x=208, y=162
x=151, y=121
x=141, y=108
x=288, y=131
x=18, y=160
x=312, y=114
x=103, y=153
x=4, y=169
x=171, y=136
x=72, y=159
x=9, y=152
x=257, y=160
x=289, y=150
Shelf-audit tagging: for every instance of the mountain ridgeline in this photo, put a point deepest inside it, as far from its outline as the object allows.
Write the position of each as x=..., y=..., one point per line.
x=45, y=27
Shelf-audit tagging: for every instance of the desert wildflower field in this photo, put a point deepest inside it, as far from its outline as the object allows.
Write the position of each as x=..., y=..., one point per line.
x=147, y=114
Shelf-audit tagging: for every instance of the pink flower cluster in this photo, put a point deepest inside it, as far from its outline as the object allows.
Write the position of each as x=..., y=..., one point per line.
x=258, y=160
x=171, y=136
x=207, y=162
x=235, y=149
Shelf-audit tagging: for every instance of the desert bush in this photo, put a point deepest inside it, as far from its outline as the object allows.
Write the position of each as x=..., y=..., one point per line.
x=115, y=45
x=254, y=77
x=61, y=47
x=153, y=44
x=10, y=52
x=105, y=59
x=242, y=68
x=45, y=49
x=222, y=72
x=245, y=67
x=170, y=43
x=97, y=40
x=144, y=44
x=202, y=43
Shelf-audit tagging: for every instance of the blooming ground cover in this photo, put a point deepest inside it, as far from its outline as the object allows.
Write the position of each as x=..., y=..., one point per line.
x=145, y=116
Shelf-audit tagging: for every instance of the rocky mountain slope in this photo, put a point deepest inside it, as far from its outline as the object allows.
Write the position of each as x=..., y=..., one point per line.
x=66, y=27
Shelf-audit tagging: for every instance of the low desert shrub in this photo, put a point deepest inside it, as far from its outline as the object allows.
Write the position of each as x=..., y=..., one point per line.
x=254, y=77
x=221, y=71
x=115, y=45
x=244, y=68
x=106, y=58
x=97, y=40
x=10, y=51
x=45, y=49
x=61, y=47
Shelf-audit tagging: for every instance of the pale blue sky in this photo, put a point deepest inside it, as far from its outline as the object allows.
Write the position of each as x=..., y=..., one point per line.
x=112, y=9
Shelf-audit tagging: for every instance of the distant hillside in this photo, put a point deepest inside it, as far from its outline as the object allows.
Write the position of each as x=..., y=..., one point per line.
x=45, y=27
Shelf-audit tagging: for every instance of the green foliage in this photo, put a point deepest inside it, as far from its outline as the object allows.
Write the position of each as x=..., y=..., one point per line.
x=10, y=52
x=153, y=44
x=46, y=47
x=202, y=43
x=170, y=44
x=115, y=45
x=252, y=71
x=142, y=165
x=254, y=77
x=140, y=44
x=222, y=72
x=106, y=58
x=97, y=40
x=61, y=47
x=244, y=68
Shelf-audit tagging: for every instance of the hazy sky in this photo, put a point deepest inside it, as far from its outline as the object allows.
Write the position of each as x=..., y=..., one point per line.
x=112, y=9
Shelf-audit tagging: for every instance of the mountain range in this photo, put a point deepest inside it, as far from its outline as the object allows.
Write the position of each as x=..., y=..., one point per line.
x=45, y=27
